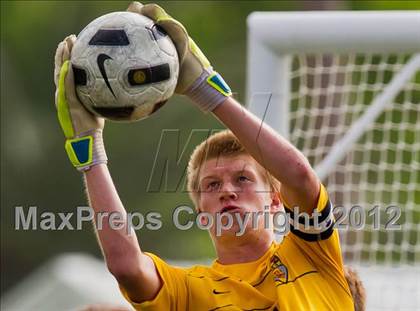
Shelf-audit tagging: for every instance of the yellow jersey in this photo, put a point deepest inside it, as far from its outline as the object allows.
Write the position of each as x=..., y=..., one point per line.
x=303, y=272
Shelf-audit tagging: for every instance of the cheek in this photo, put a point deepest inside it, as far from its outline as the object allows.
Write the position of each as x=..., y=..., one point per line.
x=206, y=201
x=260, y=199
x=206, y=197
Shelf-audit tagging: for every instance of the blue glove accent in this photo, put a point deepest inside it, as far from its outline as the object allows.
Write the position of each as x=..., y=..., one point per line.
x=216, y=81
x=81, y=150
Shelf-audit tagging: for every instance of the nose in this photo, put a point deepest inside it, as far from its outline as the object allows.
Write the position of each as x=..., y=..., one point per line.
x=228, y=192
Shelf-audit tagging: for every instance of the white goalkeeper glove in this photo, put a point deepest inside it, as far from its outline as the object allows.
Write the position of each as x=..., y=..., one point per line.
x=83, y=131
x=197, y=80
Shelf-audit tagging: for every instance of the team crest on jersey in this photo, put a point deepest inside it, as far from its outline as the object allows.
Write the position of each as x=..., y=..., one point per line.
x=280, y=272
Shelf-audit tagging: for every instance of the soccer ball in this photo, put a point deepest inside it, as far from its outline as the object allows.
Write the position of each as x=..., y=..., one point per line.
x=125, y=66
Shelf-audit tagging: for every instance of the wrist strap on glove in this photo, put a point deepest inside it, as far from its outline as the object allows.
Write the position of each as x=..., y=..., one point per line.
x=208, y=91
x=86, y=150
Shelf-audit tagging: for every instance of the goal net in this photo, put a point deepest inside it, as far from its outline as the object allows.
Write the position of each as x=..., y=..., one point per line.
x=344, y=87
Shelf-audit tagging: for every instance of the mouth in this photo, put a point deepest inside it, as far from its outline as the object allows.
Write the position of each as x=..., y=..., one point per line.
x=229, y=208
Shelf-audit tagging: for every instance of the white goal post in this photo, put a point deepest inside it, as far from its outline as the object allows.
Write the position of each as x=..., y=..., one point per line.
x=344, y=87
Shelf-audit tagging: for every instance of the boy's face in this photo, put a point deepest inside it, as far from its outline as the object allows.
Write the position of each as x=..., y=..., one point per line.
x=234, y=185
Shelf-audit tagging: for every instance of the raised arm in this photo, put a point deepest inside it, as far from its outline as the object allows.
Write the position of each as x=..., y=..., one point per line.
x=299, y=184
x=134, y=270
x=207, y=89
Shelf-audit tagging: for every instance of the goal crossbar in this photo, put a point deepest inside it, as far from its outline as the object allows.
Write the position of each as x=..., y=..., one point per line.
x=346, y=31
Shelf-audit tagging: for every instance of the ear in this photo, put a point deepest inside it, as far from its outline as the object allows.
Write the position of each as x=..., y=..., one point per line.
x=201, y=218
x=203, y=221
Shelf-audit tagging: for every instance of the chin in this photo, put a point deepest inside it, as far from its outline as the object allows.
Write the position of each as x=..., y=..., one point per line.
x=237, y=232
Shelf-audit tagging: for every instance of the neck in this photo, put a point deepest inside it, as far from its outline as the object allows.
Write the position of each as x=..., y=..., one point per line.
x=249, y=247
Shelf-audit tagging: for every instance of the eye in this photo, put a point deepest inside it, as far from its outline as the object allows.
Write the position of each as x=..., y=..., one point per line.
x=214, y=185
x=243, y=178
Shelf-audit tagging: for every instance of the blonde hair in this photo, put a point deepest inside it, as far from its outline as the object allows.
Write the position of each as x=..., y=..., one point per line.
x=221, y=144
x=357, y=289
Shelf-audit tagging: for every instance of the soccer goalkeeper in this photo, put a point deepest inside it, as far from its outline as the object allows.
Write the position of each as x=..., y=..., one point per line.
x=240, y=171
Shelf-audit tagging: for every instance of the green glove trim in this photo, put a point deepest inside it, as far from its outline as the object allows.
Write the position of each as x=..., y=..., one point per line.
x=79, y=150
x=216, y=81
x=199, y=54
x=62, y=106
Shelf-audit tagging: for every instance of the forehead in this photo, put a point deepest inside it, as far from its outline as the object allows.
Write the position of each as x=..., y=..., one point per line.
x=229, y=164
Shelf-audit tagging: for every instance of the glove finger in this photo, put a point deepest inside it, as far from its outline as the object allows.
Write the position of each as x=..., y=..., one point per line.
x=178, y=34
x=154, y=11
x=58, y=61
x=175, y=29
x=62, y=54
x=135, y=7
x=70, y=40
x=63, y=111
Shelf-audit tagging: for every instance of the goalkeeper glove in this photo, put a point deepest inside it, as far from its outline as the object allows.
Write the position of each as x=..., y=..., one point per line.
x=83, y=131
x=197, y=80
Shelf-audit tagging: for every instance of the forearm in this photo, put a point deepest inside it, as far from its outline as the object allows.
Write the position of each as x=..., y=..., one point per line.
x=272, y=151
x=134, y=270
x=117, y=243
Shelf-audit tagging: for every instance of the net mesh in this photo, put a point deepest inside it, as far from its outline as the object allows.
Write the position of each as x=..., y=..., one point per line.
x=379, y=175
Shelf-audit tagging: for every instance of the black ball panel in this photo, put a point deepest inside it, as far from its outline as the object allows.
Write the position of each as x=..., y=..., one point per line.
x=115, y=113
